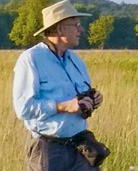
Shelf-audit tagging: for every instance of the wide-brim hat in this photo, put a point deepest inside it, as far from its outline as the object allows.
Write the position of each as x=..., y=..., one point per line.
x=57, y=12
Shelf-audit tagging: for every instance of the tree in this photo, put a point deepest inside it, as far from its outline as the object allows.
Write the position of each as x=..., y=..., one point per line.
x=136, y=27
x=123, y=35
x=28, y=22
x=100, y=30
x=7, y=16
x=12, y=6
x=6, y=20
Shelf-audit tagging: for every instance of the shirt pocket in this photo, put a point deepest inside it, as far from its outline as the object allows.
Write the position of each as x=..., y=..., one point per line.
x=51, y=90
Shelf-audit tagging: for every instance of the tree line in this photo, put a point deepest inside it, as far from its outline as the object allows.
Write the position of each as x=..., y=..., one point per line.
x=20, y=19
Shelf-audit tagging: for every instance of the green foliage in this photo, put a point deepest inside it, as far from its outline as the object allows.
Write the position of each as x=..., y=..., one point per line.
x=28, y=22
x=1, y=8
x=100, y=30
x=4, y=1
x=6, y=21
x=84, y=8
x=12, y=6
x=8, y=13
x=136, y=27
x=123, y=35
x=106, y=7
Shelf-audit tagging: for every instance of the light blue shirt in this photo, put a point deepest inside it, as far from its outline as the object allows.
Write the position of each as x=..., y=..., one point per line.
x=41, y=79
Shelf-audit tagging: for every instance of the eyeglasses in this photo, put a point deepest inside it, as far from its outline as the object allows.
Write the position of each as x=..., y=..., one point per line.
x=77, y=25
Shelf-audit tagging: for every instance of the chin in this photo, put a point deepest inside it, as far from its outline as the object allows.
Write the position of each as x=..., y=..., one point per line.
x=76, y=44
x=73, y=45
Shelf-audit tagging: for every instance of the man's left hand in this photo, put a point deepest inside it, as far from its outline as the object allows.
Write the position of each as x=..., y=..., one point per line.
x=97, y=99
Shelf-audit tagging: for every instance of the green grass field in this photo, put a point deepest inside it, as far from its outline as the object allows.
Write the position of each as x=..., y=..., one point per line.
x=115, y=74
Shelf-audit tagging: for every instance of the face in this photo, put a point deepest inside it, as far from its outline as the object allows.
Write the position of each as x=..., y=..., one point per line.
x=71, y=30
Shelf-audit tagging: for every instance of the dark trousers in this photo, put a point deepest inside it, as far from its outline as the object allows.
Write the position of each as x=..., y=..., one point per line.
x=45, y=155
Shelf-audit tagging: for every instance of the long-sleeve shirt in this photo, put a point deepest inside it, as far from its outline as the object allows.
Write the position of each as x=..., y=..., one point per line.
x=41, y=79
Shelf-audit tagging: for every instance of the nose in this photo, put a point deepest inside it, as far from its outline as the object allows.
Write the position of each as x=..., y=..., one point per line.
x=81, y=29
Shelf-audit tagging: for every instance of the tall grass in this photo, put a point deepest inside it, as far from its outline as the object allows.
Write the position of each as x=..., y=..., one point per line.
x=115, y=74
x=12, y=132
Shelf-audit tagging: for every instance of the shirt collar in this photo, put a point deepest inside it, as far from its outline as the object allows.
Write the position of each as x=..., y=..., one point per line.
x=52, y=47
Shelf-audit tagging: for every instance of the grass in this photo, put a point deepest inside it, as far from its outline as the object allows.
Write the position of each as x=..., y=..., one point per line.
x=115, y=74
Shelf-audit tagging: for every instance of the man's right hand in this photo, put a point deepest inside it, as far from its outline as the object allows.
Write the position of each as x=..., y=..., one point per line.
x=70, y=106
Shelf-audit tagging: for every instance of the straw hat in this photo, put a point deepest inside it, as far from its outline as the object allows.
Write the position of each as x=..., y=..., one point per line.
x=58, y=12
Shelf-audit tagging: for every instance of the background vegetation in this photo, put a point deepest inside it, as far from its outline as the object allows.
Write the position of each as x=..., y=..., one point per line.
x=115, y=74
x=21, y=18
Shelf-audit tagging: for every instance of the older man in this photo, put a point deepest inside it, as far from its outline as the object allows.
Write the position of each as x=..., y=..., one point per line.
x=48, y=83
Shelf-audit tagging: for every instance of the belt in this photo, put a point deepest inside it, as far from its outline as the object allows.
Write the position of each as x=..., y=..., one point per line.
x=63, y=141
x=73, y=141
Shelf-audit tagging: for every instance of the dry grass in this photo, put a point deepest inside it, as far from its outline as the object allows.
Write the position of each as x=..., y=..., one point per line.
x=115, y=74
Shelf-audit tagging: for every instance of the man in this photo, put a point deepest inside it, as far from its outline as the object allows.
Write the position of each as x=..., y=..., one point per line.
x=48, y=83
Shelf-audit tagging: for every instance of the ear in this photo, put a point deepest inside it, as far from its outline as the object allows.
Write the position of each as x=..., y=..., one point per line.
x=59, y=30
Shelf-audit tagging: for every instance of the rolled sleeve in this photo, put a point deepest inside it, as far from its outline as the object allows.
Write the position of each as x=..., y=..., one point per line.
x=49, y=108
